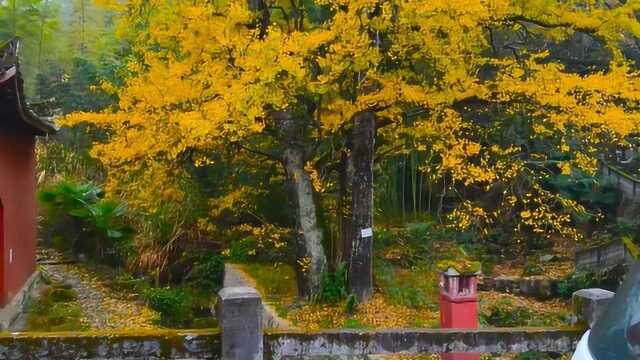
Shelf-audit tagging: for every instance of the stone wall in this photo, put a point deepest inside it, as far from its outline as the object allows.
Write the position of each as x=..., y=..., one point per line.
x=343, y=343
x=163, y=344
x=134, y=344
x=604, y=257
x=628, y=186
x=538, y=287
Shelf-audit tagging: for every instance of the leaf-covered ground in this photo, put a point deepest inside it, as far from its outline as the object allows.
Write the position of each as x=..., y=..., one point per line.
x=100, y=305
x=403, y=298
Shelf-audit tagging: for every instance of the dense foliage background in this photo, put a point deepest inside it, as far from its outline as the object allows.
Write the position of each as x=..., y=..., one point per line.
x=275, y=131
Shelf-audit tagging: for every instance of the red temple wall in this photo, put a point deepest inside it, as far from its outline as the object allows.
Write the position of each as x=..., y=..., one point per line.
x=17, y=195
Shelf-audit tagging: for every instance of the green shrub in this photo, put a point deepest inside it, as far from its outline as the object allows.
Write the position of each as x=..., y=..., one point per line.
x=174, y=305
x=351, y=305
x=207, y=272
x=609, y=280
x=421, y=232
x=204, y=323
x=532, y=269
x=55, y=309
x=241, y=250
x=414, y=288
x=574, y=282
x=66, y=197
x=354, y=324
x=625, y=227
x=126, y=282
x=591, y=191
x=531, y=355
x=334, y=285
x=62, y=294
x=384, y=238
x=504, y=314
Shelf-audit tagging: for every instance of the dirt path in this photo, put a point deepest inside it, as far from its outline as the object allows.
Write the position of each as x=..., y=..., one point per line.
x=102, y=307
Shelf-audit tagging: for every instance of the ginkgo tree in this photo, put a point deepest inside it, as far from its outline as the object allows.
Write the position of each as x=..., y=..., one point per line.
x=323, y=88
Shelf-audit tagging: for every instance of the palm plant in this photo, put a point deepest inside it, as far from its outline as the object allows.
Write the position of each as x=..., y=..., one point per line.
x=97, y=224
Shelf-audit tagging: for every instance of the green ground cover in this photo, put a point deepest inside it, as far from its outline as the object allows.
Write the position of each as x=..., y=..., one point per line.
x=55, y=309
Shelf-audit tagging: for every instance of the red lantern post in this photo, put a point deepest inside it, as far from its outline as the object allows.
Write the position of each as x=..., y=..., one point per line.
x=459, y=305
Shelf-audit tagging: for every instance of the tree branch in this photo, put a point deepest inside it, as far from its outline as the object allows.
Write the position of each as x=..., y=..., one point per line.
x=551, y=25
x=258, y=152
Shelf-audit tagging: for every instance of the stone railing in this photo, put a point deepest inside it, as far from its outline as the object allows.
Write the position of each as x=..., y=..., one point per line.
x=628, y=185
x=538, y=287
x=603, y=257
x=349, y=343
x=243, y=337
x=134, y=344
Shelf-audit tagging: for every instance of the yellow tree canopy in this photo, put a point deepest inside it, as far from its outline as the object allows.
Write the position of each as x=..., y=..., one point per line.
x=204, y=77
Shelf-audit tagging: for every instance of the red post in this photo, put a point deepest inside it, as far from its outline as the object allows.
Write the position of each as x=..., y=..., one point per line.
x=458, y=306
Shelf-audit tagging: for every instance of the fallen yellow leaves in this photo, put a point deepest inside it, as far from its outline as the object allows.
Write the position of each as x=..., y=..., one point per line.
x=553, y=270
x=548, y=313
x=378, y=313
x=101, y=306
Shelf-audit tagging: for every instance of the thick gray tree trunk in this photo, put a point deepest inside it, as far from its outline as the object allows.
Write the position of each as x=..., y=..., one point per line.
x=361, y=254
x=311, y=259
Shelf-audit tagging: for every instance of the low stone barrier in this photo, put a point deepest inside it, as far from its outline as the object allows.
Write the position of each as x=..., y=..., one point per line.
x=535, y=286
x=281, y=345
x=603, y=257
x=627, y=184
x=134, y=344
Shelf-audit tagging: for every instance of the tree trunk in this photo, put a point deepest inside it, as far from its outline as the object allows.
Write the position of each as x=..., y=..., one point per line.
x=260, y=6
x=311, y=260
x=345, y=216
x=361, y=256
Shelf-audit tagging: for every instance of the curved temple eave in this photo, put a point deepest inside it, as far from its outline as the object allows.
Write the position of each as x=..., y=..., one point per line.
x=11, y=80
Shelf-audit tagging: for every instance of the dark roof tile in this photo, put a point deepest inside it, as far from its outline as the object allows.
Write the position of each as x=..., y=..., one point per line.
x=12, y=92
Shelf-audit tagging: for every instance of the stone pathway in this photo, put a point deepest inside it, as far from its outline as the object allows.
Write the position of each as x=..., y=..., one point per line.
x=234, y=275
x=102, y=306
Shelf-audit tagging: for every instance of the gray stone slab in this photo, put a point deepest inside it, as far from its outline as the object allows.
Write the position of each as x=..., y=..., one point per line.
x=240, y=318
x=589, y=304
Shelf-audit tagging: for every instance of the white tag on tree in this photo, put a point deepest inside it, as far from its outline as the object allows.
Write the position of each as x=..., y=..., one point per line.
x=365, y=233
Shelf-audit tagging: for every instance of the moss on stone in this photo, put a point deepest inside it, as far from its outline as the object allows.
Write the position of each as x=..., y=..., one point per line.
x=55, y=309
x=631, y=247
x=463, y=266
